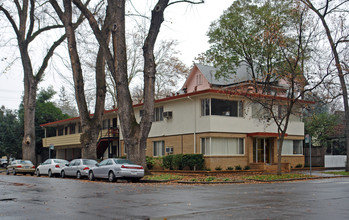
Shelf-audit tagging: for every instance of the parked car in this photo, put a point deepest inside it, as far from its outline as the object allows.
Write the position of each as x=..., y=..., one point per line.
x=78, y=168
x=3, y=162
x=51, y=167
x=113, y=168
x=20, y=166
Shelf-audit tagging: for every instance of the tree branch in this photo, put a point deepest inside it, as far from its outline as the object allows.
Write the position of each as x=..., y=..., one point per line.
x=10, y=19
x=32, y=20
x=187, y=1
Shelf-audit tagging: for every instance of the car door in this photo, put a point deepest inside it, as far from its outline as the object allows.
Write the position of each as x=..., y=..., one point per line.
x=69, y=169
x=106, y=168
x=98, y=171
x=75, y=167
x=45, y=166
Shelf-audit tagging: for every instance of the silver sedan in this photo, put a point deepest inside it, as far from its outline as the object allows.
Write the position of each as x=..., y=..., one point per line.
x=78, y=168
x=114, y=168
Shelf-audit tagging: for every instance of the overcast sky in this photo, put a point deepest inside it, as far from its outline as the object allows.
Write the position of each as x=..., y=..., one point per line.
x=186, y=23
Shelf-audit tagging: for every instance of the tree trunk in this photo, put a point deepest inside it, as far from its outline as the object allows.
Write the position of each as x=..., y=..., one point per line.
x=28, y=143
x=90, y=126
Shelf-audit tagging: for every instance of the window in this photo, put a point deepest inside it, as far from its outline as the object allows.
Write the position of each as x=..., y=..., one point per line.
x=222, y=146
x=222, y=107
x=159, y=148
x=60, y=131
x=106, y=124
x=72, y=129
x=198, y=79
x=205, y=107
x=297, y=147
x=292, y=147
x=66, y=131
x=141, y=113
x=158, y=114
x=79, y=128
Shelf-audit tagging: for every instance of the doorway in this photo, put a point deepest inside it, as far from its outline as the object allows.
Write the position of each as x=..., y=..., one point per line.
x=262, y=150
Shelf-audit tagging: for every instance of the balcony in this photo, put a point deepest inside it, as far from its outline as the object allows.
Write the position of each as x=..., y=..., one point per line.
x=72, y=139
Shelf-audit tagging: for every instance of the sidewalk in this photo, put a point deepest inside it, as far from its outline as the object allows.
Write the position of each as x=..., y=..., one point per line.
x=320, y=172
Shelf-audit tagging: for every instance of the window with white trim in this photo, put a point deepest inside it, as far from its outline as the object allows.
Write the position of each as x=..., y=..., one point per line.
x=158, y=113
x=222, y=146
x=222, y=107
x=292, y=147
x=158, y=148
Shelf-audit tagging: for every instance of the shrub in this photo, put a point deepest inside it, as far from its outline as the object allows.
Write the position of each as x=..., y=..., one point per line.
x=193, y=161
x=247, y=167
x=150, y=162
x=218, y=168
x=230, y=168
x=210, y=179
x=167, y=162
x=180, y=161
x=238, y=167
x=299, y=165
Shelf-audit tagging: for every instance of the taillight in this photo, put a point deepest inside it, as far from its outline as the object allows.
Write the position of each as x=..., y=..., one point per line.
x=130, y=167
x=86, y=168
x=19, y=166
x=33, y=167
x=57, y=166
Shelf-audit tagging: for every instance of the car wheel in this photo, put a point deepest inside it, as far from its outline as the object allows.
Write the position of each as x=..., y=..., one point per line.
x=7, y=172
x=49, y=173
x=63, y=174
x=31, y=174
x=78, y=175
x=14, y=171
x=91, y=176
x=111, y=176
x=37, y=172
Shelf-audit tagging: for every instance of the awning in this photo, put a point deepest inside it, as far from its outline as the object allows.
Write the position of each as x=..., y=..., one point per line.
x=264, y=134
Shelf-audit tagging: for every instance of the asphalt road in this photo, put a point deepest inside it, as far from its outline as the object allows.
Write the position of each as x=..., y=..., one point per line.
x=25, y=197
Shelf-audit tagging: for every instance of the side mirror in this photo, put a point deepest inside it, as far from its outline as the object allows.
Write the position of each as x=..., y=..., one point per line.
x=67, y=164
x=97, y=164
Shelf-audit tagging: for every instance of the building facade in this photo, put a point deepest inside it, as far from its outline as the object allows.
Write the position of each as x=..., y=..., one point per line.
x=208, y=117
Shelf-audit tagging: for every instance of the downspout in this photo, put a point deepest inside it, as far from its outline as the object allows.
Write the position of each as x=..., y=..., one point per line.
x=194, y=123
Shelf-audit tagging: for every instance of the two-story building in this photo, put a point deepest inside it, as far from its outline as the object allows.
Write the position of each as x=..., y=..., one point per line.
x=210, y=117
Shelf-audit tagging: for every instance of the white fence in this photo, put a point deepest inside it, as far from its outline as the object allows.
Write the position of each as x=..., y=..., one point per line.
x=332, y=161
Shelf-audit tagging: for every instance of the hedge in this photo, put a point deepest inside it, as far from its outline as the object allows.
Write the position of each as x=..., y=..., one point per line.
x=181, y=161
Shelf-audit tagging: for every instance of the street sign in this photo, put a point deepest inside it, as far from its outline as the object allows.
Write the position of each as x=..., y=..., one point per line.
x=307, y=139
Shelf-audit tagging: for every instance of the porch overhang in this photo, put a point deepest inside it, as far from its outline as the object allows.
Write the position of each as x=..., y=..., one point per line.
x=264, y=134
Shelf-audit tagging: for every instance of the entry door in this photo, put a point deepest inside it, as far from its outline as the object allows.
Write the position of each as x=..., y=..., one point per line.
x=262, y=150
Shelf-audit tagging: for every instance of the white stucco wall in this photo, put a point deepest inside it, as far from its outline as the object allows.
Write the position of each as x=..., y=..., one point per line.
x=187, y=119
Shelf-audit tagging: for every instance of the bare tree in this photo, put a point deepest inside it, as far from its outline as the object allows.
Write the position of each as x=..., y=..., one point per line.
x=90, y=125
x=323, y=11
x=134, y=134
x=29, y=20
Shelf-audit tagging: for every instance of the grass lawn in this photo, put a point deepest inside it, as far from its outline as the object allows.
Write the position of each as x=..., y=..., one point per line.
x=163, y=177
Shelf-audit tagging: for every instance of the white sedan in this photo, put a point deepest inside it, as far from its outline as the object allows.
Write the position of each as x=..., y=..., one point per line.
x=51, y=167
x=113, y=168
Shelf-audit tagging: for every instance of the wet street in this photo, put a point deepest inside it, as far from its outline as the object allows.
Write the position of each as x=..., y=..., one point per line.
x=25, y=197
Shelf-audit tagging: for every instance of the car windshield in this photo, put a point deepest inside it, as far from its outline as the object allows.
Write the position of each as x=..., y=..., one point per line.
x=25, y=162
x=123, y=161
x=60, y=161
x=89, y=162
